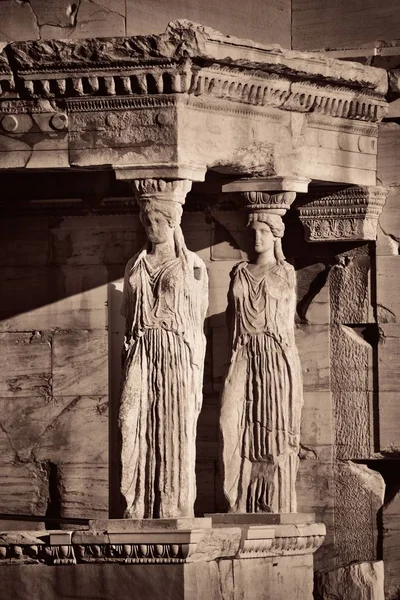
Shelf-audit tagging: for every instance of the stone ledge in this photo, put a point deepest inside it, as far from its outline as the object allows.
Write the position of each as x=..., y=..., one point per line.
x=143, y=543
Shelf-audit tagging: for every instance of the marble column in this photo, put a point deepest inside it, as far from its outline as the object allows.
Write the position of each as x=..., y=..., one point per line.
x=262, y=395
x=164, y=303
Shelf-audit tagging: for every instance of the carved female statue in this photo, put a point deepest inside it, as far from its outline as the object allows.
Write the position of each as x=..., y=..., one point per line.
x=262, y=396
x=165, y=301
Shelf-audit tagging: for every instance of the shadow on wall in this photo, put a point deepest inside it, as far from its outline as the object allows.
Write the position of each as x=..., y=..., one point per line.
x=66, y=240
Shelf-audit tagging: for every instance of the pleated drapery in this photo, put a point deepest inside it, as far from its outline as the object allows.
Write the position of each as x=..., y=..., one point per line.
x=262, y=397
x=162, y=385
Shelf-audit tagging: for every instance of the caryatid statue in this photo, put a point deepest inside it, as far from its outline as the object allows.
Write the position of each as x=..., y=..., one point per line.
x=262, y=395
x=165, y=300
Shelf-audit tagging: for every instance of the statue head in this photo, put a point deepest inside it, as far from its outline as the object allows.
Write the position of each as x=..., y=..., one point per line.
x=267, y=231
x=160, y=219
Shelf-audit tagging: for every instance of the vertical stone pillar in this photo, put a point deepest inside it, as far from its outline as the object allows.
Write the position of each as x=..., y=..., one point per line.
x=164, y=303
x=262, y=396
x=350, y=216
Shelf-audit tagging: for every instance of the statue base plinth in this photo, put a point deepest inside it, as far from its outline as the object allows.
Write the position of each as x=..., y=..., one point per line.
x=217, y=557
x=261, y=518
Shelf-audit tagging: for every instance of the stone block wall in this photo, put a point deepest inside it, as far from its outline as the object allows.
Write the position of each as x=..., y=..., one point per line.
x=57, y=19
x=332, y=24
x=66, y=244
x=388, y=373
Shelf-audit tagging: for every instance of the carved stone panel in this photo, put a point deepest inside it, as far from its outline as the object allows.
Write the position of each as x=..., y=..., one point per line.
x=345, y=215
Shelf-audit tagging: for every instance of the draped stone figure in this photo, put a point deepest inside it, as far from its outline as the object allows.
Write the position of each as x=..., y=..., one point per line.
x=262, y=396
x=164, y=302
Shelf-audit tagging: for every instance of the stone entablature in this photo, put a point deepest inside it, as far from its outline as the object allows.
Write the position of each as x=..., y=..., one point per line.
x=186, y=101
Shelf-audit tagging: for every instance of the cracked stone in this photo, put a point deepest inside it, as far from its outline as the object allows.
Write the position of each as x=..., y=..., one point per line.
x=25, y=420
x=25, y=373
x=359, y=496
x=17, y=22
x=358, y=581
x=88, y=19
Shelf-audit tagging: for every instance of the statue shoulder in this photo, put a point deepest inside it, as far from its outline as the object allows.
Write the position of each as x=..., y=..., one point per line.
x=132, y=261
x=288, y=273
x=238, y=267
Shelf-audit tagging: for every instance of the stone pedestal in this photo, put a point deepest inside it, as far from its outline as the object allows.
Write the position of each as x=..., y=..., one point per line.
x=226, y=556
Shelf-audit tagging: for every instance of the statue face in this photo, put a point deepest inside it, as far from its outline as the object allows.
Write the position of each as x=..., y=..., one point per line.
x=156, y=226
x=262, y=236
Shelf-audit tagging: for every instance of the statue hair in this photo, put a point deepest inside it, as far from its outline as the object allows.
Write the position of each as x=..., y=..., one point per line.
x=277, y=228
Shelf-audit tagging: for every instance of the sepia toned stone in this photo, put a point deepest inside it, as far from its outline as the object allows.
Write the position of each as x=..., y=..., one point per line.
x=391, y=544
x=316, y=424
x=271, y=27
x=256, y=123
x=27, y=364
x=313, y=344
x=67, y=297
x=164, y=304
x=388, y=276
x=389, y=422
x=388, y=153
x=80, y=363
x=315, y=487
x=349, y=214
x=359, y=493
x=262, y=395
x=26, y=420
x=388, y=357
x=24, y=489
x=313, y=295
x=358, y=581
x=350, y=287
x=82, y=426
x=101, y=240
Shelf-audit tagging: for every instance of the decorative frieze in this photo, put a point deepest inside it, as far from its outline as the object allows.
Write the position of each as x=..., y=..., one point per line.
x=173, y=546
x=347, y=215
x=178, y=104
x=286, y=540
x=193, y=59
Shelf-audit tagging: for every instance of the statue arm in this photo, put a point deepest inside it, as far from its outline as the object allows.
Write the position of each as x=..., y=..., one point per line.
x=200, y=275
x=291, y=304
x=204, y=291
x=126, y=307
x=230, y=310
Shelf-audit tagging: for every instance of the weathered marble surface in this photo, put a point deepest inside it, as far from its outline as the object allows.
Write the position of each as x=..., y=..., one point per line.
x=358, y=581
x=262, y=395
x=168, y=103
x=359, y=495
x=391, y=546
x=234, y=562
x=165, y=302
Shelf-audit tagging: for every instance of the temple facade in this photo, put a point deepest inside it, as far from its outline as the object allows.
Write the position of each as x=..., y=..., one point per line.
x=199, y=316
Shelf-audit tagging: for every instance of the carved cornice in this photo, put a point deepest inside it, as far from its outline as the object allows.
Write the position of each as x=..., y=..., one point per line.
x=260, y=89
x=347, y=215
x=263, y=541
x=170, y=546
x=149, y=547
x=195, y=60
